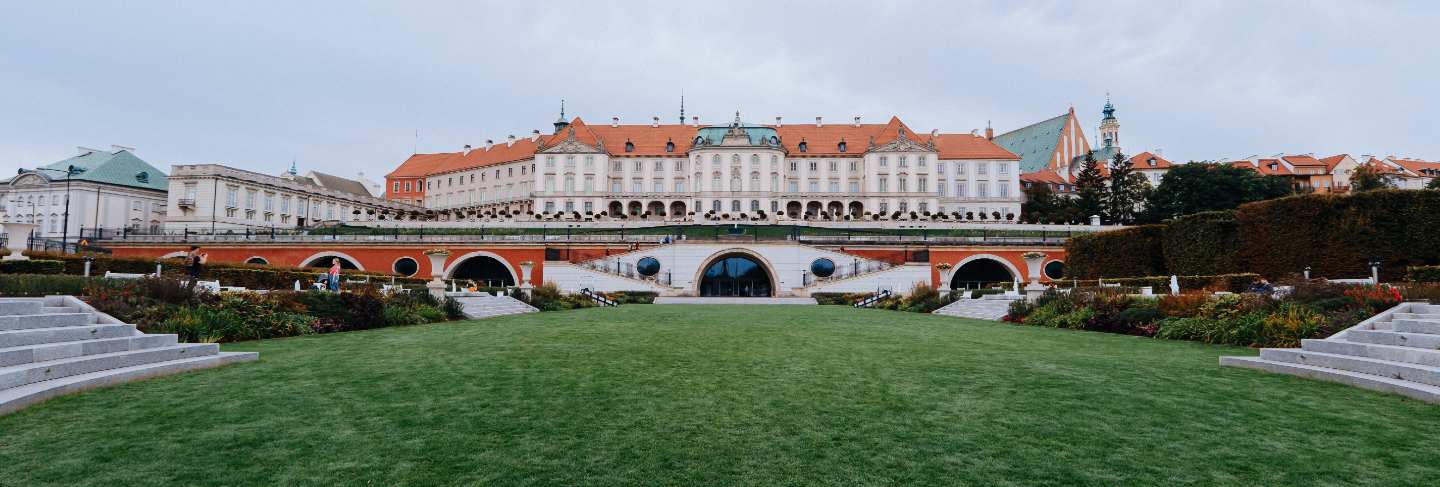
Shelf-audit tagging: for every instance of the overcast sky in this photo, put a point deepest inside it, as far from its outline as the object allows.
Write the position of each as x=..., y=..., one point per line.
x=344, y=86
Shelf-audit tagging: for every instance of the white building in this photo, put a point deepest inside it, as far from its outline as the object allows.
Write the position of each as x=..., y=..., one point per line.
x=206, y=197
x=739, y=170
x=110, y=190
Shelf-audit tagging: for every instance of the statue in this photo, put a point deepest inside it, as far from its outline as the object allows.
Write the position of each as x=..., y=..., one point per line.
x=1174, y=285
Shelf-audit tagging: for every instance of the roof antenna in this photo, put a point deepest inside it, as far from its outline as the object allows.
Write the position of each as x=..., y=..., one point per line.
x=415, y=147
x=682, y=106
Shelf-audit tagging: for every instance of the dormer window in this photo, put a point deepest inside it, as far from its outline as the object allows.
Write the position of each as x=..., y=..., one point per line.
x=699, y=139
x=669, y=146
x=804, y=147
x=774, y=140
x=841, y=146
x=142, y=176
x=629, y=146
x=1151, y=161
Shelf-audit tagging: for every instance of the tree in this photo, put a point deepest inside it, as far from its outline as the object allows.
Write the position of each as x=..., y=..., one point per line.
x=1090, y=186
x=1126, y=192
x=1196, y=187
x=1042, y=205
x=1368, y=178
x=1434, y=183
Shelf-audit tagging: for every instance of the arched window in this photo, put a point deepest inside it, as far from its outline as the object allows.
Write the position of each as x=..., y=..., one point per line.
x=804, y=146
x=669, y=146
x=735, y=206
x=715, y=206
x=715, y=159
x=754, y=161
x=754, y=205
x=629, y=146
x=735, y=158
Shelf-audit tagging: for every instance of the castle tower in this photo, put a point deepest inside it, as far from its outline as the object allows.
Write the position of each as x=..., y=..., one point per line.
x=1109, y=126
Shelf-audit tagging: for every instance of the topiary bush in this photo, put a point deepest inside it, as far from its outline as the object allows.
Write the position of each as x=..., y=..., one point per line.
x=32, y=266
x=1202, y=243
x=1127, y=252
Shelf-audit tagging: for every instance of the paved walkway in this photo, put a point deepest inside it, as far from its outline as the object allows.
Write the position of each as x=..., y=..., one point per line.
x=690, y=300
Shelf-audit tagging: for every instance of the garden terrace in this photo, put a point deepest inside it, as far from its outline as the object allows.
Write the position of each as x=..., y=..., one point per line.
x=690, y=395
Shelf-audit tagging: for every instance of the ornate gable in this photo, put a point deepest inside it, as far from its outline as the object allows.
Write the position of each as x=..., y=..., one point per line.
x=902, y=143
x=572, y=145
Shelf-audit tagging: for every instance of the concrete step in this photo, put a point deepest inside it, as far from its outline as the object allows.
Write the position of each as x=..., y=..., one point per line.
x=1417, y=326
x=1413, y=390
x=36, y=336
x=20, y=306
x=1384, y=368
x=1393, y=353
x=62, y=350
x=59, y=309
x=15, y=398
x=19, y=375
x=1415, y=316
x=1400, y=339
x=52, y=320
x=980, y=309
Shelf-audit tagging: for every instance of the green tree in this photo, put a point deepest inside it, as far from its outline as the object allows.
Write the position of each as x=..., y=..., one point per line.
x=1042, y=205
x=1367, y=178
x=1090, y=187
x=1196, y=187
x=1434, y=184
x=1127, y=190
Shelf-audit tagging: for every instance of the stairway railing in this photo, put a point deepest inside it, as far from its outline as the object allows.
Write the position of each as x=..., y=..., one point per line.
x=598, y=299
x=875, y=298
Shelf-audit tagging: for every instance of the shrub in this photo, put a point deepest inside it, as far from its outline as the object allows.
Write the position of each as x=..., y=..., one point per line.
x=1374, y=298
x=1337, y=235
x=44, y=284
x=830, y=298
x=1422, y=292
x=1290, y=323
x=232, y=318
x=1182, y=305
x=632, y=297
x=976, y=294
x=547, y=297
x=32, y=266
x=1427, y=273
x=1202, y=243
x=1018, y=310
x=452, y=309
x=1128, y=252
x=1243, y=330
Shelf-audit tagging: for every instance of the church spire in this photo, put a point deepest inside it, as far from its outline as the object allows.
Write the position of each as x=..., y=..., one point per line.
x=682, y=107
x=293, y=170
x=560, y=123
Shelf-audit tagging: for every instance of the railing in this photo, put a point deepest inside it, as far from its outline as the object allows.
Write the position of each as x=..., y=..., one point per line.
x=598, y=299
x=856, y=268
x=627, y=270
x=875, y=298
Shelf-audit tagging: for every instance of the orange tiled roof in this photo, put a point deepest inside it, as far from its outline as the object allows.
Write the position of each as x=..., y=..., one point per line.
x=967, y=146
x=1303, y=160
x=649, y=141
x=421, y=165
x=1416, y=166
x=1142, y=161
x=824, y=141
x=1268, y=167
x=1332, y=161
x=1044, y=176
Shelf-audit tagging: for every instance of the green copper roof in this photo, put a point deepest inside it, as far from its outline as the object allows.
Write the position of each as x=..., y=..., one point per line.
x=119, y=168
x=758, y=134
x=1034, y=143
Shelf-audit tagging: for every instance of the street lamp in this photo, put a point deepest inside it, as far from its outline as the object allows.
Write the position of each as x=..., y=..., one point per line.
x=65, y=228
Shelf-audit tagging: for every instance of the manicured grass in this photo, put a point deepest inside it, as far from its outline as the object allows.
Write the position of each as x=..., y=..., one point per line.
x=687, y=395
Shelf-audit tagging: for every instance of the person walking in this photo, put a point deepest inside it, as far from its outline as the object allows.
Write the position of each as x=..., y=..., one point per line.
x=335, y=274
x=195, y=262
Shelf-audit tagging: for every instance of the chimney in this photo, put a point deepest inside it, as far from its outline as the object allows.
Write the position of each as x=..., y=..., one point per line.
x=534, y=135
x=857, y=121
x=654, y=122
x=510, y=141
x=817, y=122
x=466, y=150
x=934, y=133
x=86, y=150
x=489, y=143
x=118, y=148
x=695, y=121
x=989, y=132
x=777, y=122
x=614, y=121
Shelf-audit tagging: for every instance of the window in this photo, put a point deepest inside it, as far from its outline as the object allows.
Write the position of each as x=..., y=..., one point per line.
x=569, y=183
x=679, y=165
x=589, y=184
x=629, y=146
x=840, y=146
x=549, y=207
x=904, y=206
x=715, y=160
x=884, y=161
x=569, y=206
x=136, y=205
x=904, y=184
x=407, y=186
x=615, y=165
x=639, y=165
x=921, y=161
x=659, y=186
x=804, y=147
x=982, y=190
x=940, y=188
x=834, y=186
x=959, y=190
x=940, y=167
x=884, y=207
x=1004, y=190
x=395, y=189
x=569, y=162
x=854, y=165
x=669, y=146
x=754, y=161
x=589, y=163
x=960, y=167
x=834, y=166
x=549, y=184
x=923, y=183
x=794, y=186
x=884, y=184
x=250, y=198
x=754, y=205
x=812, y=165
x=735, y=206
x=636, y=186
x=1003, y=167
x=924, y=207
x=715, y=206
x=982, y=168
x=904, y=162
x=774, y=182
x=754, y=181
x=715, y=182
x=794, y=166
x=614, y=185
x=813, y=186
x=549, y=162
x=589, y=207
x=679, y=186
x=854, y=186
x=774, y=206
x=284, y=204
x=269, y=201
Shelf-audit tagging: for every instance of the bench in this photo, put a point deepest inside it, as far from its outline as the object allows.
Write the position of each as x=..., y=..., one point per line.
x=122, y=275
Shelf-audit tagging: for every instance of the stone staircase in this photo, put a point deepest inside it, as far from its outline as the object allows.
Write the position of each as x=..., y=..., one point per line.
x=1397, y=351
x=989, y=307
x=59, y=345
x=485, y=305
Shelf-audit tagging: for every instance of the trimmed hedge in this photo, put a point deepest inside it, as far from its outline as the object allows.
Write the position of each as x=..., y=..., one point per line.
x=250, y=276
x=29, y=285
x=1338, y=235
x=1203, y=243
x=1235, y=283
x=1134, y=251
x=32, y=266
x=1425, y=273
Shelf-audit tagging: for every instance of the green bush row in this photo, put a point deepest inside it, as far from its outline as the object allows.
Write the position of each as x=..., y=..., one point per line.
x=29, y=285
x=252, y=276
x=1336, y=236
x=32, y=266
x=1423, y=273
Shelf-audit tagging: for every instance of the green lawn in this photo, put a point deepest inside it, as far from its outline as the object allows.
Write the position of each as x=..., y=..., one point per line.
x=687, y=395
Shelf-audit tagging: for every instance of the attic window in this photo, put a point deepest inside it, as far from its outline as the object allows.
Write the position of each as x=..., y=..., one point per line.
x=804, y=147
x=142, y=176
x=774, y=140
x=840, y=146
x=699, y=139
x=669, y=146
x=629, y=146
x=1151, y=161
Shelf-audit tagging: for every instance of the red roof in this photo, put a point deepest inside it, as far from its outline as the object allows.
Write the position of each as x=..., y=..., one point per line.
x=1303, y=160
x=1332, y=161
x=1043, y=176
x=421, y=165
x=1142, y=161
x=824, y=141
x=1417, y=166
x=967, y=146
x=1268, y=167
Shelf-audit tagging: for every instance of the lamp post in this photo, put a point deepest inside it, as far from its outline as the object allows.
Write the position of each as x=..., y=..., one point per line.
x=1375, y=272
x=65, y=228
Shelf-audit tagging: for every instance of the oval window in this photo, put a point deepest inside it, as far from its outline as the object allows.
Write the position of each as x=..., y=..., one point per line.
x=406, y=266
x=822, y=267
x=648, y=266
x=1055, y=269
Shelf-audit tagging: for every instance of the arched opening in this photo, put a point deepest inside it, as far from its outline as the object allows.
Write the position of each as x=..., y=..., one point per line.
x=981, y=272
x=257, y=260
x=323, y=262
x=485, y=270
x=616, y=208
x=856, y=209
x=812, y=209
x=793, y=209
x=677, y=210
x=405, y=266
x=835, y=208
x=736, y=275
x=656, y=208
x=634, y=209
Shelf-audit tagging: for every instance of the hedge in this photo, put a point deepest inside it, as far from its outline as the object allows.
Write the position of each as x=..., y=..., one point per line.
x=32, y=266
x=1338, y=235
x=1425, y=273
x=1235, y=283
x=44, y=284
x=1134, y=251
x=1203, y=243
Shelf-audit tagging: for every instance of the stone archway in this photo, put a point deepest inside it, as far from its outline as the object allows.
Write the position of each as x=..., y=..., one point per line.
x=737, y=272
x=656, y=208
x=485, y=268
x=321, y=260
x=857, y=209
x=981, y=270
x=677, y=210
x=634, y=208
x=813, y=209
x=793, y=209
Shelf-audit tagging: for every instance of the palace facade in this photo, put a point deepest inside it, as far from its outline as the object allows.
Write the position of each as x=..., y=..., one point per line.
x=740, y=170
